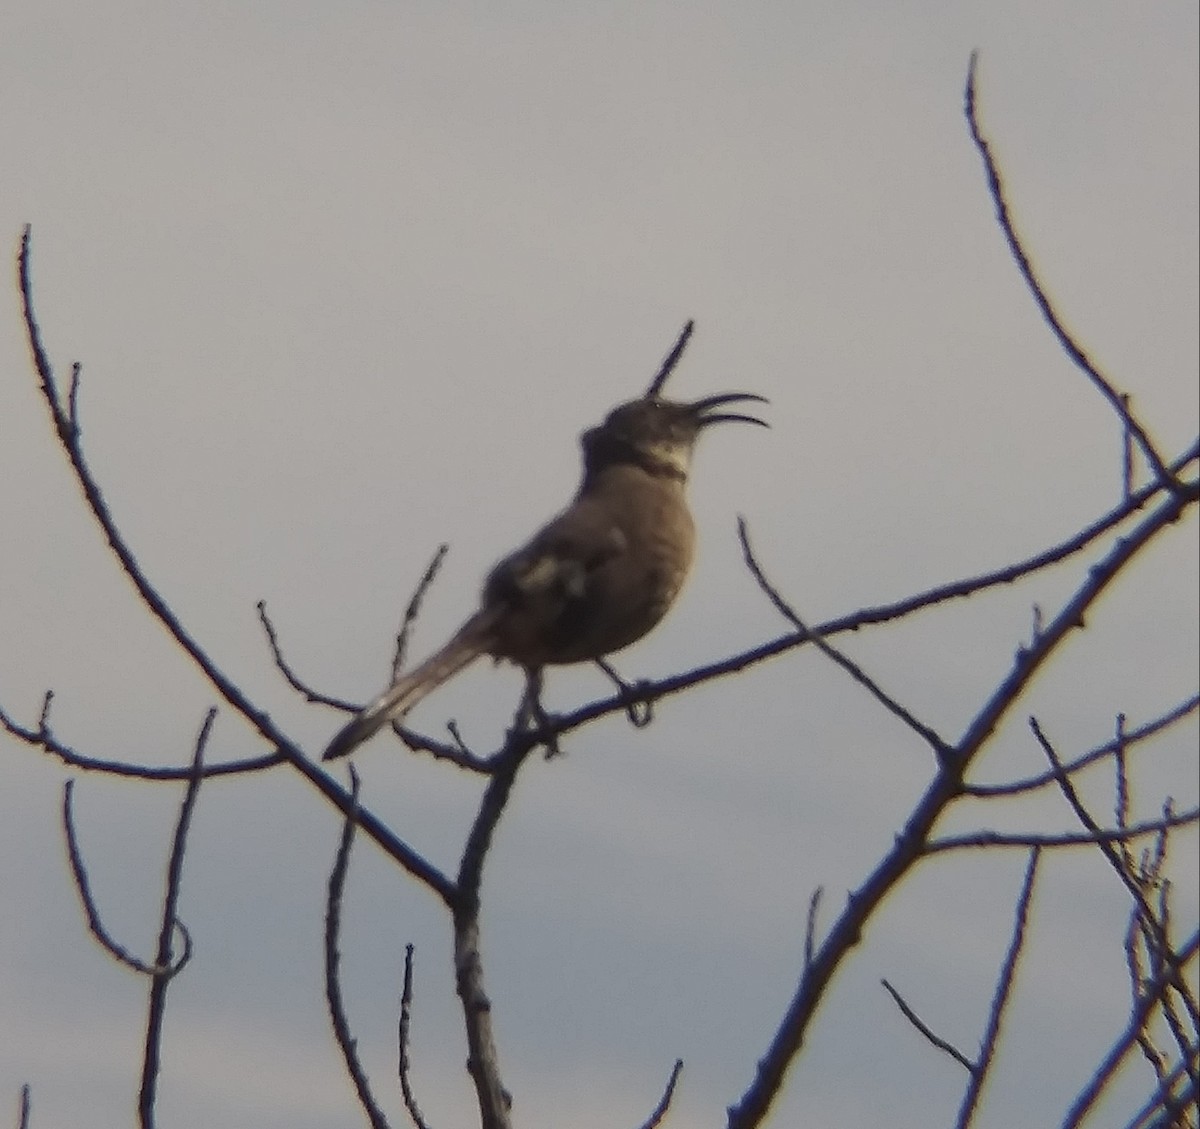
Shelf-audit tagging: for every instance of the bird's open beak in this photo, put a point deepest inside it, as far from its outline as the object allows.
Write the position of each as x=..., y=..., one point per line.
x=704, y=415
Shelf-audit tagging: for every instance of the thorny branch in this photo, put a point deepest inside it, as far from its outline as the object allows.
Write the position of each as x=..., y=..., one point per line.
x=403, y=1067
x=333, y=984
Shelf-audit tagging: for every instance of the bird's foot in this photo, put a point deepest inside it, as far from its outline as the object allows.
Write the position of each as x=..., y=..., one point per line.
x=640, y=712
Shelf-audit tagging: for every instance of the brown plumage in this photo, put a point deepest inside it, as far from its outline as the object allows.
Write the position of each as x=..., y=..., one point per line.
x=598, y=576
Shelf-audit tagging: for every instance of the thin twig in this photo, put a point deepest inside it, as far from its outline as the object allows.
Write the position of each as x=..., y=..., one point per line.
x=1140, y=1016
x=670, y=360
x=664, y=1103
x=25, y=1108
x=1004, y=983
x=930, y=736
x=1161, y=942
x=333, y=986
x=289, y=675
x=43, y=737
x=1165, y=1100
x=1101, y=836
x=1116, y=747
x=414, y=607
x=913, y=1018
x=403, y=1066
x=116, y=950
x=1033, y=284
x=160, y=981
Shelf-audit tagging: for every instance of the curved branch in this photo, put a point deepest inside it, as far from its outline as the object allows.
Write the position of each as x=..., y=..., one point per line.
x=1117, y=400
x=912, y=842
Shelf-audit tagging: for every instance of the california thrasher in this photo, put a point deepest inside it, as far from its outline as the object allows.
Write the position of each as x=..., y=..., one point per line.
x=599, y=576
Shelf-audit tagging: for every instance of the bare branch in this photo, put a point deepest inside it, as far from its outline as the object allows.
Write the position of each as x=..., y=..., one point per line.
x=1161, y=942
x=116, y=950
x=664, y=1103
x=482, y=1056
x=1166, y=1101
x=926, y=1030
x=25, y=1108
x=414, y=607
x=403, y=1066
x=66, y=426
x=333, y=987
x=670, y=360
x=160, y=981
x=911, y=843
x=1004, y=983
x=987, y=839
x=1118, y=746
x=289, y=675
x=930, y=736
x=456, y=753
x=1151, y=997
x=1072, y=348
x=43, y=738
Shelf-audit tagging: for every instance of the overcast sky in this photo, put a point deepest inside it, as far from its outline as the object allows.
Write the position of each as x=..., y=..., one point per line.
x=347, y=280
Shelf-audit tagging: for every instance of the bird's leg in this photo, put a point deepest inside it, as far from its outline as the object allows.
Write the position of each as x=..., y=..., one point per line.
x=640, y=714
x=532, y=715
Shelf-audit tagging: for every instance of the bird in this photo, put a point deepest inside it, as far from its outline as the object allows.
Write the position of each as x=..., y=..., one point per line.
x=599, y=575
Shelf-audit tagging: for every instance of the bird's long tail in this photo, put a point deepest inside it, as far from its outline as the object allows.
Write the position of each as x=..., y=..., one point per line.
x=473, y=639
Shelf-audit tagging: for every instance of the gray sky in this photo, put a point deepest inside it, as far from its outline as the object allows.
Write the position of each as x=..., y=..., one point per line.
x=347, y=281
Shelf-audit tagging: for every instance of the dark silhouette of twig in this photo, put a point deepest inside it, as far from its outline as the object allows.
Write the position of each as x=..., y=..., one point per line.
x=416, y=741
x=333, y=987
x=25, y=1108
x=289, y=675
x=1151, y=997
x=1167, y=1109
x=1081, y=360
x=403, y=1067
x=160, y=980
x=928, y=735
x=1161, y=943
x=664, y=1103
x=1118, y=747
x=936, y=1040
x=95, y=925
x=671, y=360
x=1048, y=841
x=1004, y=983
x=414, y=607
x=44, y=738
x=482, y=1056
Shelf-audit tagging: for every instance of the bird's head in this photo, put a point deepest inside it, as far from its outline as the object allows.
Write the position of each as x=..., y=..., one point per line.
x=659, y=435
